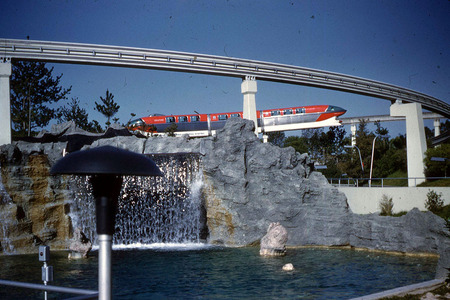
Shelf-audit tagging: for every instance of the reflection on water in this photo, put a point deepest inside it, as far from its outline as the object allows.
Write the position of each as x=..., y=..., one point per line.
x=192, y=272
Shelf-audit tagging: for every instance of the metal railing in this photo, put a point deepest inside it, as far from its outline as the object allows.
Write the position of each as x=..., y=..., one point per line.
x=47, y=276
x=88, y=294
x=378, y=182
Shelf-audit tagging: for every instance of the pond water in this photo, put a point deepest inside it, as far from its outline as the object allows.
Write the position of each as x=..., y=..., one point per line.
x=206, y=272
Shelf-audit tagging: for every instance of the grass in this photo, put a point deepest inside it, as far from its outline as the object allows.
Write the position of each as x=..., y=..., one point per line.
x=444, y=213
x=436, y=183
x=393, y=179
x=400, y=213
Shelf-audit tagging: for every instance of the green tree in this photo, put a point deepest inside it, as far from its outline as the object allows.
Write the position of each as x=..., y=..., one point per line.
x=276, y=138
x=300, y=144
x=171, y=129
x=33, y=88
x=108, y=107
x=435, y=168
x=73, y=112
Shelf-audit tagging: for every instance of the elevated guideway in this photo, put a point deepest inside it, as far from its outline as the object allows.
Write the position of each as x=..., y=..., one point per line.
x=384, y=118
x=213, y=65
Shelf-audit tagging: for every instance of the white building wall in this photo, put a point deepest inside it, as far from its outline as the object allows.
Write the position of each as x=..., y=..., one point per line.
x=365, y=200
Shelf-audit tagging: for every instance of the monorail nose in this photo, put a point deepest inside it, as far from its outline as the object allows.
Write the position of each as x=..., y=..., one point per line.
x=337, y=109
x=340, y=109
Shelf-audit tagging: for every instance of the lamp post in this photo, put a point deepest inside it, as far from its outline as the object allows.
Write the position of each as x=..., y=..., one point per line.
x=360, y=158
x=373, y=152
x=106, y=165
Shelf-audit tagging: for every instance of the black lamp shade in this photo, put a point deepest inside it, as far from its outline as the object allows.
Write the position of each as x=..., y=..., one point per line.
x=106, y=160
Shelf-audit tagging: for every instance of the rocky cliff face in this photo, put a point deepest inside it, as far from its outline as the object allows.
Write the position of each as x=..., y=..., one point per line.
x=34, y=209
x=250, y=185
x=247, y=186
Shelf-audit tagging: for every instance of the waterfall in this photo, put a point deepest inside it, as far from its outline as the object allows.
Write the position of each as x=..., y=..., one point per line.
x=151, y=210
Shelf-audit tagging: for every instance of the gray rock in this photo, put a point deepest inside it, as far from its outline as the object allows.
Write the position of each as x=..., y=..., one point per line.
x=249, y=184
x=414, y=232
x=130, y=143
x=274, y=242
x=80, y=245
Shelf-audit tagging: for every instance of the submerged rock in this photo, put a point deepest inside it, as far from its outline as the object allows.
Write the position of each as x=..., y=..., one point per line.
x=288, y=267
x=80, y=245
x=274, y=242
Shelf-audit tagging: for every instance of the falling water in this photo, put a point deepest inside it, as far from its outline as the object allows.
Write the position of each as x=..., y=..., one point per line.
x=151, y=210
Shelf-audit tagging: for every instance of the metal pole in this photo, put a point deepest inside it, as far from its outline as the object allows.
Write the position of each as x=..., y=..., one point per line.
x=371, y=162
x=360, y=159
x=104, y=266
x=45, y=283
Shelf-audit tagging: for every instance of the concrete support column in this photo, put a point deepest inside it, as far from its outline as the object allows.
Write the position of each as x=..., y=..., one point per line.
x=265, y=138
x=437, y=127
x=5, y=102
x=415, y=139
x=353, y=129
x=249, y=89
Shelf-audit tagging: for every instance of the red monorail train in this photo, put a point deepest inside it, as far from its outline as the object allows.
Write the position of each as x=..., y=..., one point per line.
x=281, y=119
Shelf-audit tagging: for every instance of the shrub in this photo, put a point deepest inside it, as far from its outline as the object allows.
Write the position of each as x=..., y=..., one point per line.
x=434, y=202
x=171, y=130
x=386, y=206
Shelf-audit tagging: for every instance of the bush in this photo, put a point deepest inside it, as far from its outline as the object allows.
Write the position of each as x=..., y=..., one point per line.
x=386, y=206
x=171, y=130
x=434, y=202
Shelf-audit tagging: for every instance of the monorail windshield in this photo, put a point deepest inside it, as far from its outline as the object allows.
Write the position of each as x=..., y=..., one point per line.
x=335, y=109
x=136, y=123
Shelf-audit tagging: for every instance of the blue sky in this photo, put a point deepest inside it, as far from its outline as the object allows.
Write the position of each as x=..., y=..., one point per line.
x=405, y=43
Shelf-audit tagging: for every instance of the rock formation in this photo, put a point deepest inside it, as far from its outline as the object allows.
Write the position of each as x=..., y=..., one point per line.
x=274, y=242
x=36, y=212
x=247, y=186
x=80, y=245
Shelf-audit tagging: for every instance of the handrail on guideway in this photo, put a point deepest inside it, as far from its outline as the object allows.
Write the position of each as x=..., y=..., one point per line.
x=212, y=65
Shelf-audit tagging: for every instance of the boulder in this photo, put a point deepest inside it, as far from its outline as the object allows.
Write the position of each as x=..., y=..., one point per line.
x=80, y=245
x=274, y=242
x=288, y=267
x=249, y=184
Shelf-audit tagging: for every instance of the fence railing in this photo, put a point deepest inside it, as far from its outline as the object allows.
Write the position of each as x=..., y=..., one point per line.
x=378, y=182
x=87, y=294
x=47, y=276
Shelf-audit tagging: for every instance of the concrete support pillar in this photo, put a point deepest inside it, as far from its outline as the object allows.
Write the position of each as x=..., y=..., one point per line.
x=415, y=139
x=5, y=104
x=265, y=138
x=437, y=127
x=249, y=89
x=353, y=129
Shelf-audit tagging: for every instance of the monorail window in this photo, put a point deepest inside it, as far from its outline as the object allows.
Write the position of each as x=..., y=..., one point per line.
x=275, y=113
x=331, y=108
x=223, y=117
x=287, y=112
x=235, y=116
x=300, y=110
x=195, y=118
x=182, y=119
x=170, y=119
